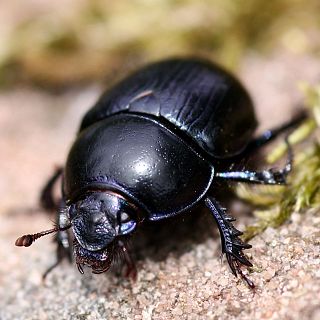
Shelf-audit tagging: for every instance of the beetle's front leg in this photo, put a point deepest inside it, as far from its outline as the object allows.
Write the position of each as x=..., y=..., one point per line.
x=231, y=244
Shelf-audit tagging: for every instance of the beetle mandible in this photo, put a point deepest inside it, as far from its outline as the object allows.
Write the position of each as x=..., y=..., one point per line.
x=151, y=148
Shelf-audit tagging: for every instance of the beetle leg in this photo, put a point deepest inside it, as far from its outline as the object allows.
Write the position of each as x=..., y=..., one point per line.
x=270, y=176
x=270, y=135
x=46, y=197
x=131, y=270
x=231, y=244
x=61, y=253
x=260, y=177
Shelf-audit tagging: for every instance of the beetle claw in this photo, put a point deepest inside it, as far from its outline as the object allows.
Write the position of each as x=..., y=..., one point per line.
x=243, y=276
x=235, y=266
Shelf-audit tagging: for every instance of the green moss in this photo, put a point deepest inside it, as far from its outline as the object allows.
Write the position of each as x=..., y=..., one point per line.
x=63, y=43
x=274, y=205
x=137, y=31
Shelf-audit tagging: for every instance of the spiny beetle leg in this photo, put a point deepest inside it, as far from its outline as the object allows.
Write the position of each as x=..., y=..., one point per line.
x=231, y=244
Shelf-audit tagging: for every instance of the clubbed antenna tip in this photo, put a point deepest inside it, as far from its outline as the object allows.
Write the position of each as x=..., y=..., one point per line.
x=27, y=239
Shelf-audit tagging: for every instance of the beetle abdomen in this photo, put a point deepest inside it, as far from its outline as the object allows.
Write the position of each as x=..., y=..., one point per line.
x=202, y=100
x=141, y=158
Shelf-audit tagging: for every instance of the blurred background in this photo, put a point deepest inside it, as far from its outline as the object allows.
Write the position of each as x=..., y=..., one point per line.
x=56, y=57
x=76, y=41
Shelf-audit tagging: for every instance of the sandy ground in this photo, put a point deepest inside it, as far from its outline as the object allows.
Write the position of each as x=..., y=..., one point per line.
x=180, y=272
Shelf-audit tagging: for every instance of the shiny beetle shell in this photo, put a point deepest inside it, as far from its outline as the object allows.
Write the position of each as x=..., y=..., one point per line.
x=152, y=136
x=200, y=99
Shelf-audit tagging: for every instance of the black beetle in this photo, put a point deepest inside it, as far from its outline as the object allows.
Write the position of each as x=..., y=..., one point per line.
x=151, y=148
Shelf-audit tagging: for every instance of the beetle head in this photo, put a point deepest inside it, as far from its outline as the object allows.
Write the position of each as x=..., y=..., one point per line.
x=98, y=220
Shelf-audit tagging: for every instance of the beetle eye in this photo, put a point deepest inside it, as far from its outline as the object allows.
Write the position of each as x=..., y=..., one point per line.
x=124, y=217
x=126, y=227
x=126, y=222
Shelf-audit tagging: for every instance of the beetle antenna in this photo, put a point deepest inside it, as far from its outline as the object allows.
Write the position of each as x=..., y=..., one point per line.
x=27, y=239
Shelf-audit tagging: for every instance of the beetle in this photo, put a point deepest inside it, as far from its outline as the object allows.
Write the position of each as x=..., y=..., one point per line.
x=151, y=148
